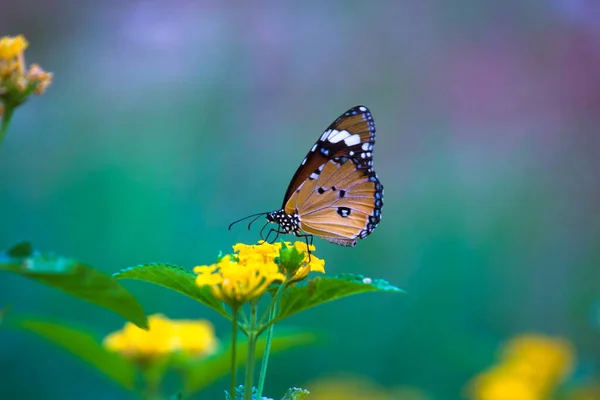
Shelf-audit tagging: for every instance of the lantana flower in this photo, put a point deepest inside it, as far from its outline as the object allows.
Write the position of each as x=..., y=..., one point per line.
x=530, y=368
x=247, y=273
x=164, y=337
x=17, y=82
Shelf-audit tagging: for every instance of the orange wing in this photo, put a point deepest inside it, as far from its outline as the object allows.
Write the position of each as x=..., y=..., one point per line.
x=340, y=203
x=351, y=135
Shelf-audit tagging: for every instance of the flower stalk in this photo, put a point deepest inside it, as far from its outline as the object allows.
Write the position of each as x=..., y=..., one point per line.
x=252, y=337
x=269, y=339
x=6, y=116
x=234, y=323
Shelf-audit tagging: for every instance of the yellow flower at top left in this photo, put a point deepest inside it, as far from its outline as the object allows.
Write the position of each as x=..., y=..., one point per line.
x=165, y=337
x=16, y=83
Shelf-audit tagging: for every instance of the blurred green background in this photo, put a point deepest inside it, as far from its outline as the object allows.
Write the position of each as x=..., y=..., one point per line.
x=168, y=120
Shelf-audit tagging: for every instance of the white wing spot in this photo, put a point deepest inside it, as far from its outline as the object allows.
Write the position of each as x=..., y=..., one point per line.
x=314, y=176
x=363, y=109
x=314, y=147
x=303, y=161
x=337, y=136
x=365, y=146
x=351, y=153
x=352, y=140
x=325, y=135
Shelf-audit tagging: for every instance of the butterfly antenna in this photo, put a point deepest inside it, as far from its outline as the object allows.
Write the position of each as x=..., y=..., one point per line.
x=256, y=216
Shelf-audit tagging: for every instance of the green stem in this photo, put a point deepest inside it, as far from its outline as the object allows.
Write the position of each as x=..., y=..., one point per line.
x=251, y=350
x=153, y=374
x=234, y=349
x=269, y=339
x=6, y=117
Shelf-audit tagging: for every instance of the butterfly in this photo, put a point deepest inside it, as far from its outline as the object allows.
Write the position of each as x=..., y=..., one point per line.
x=335, y=194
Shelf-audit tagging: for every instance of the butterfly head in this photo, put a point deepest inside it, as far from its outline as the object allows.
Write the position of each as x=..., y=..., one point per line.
x=289, y=223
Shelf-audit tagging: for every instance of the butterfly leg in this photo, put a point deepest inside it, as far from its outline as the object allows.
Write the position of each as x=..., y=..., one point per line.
x=309, y=241
x=277, y=233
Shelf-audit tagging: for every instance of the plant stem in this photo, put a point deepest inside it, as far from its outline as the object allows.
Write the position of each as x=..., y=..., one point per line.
x=251, y=349
x=234, y=349
x=153, y=374
x=269, y=339
x=6, y=117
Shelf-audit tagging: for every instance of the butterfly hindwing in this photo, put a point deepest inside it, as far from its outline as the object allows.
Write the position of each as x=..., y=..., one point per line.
x=341, y=204
x=351, y=135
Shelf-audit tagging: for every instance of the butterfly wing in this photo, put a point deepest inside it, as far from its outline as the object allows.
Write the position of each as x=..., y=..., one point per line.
x=352, y=134
x=344, y=203
x=335, y=192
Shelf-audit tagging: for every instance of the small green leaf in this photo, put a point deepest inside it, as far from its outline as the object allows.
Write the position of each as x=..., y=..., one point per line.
x=324, y=289
x=75, y=278
x=175, y=278
x=84, y=346
x=200, y=374
x=296, y=394
x=290, y=259
x=20, y=250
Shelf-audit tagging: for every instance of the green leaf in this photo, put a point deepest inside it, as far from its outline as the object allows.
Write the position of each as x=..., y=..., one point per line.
x=20, y=250
x=84, y=346
x=324, y=289
x=75, y=278
x=200, y=374
x=296, y=394
x=175, y=278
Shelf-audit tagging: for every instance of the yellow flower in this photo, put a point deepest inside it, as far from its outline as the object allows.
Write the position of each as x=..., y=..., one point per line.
x=12, y=47
x=236, y=282
x=165, y=336
x=11, y=55
x=551, y=357
x=349, y=387
x=314, y=265
x=501, y=384
x=15, y=82
x=247, y=274
x=263, y=250
x=531, y=366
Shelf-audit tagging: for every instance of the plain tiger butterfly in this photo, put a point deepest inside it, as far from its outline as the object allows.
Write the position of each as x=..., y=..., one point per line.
x=335, y=194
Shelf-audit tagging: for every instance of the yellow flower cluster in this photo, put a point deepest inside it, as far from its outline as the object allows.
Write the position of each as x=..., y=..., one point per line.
x=531, y=367
x=245, y=275
x=353, y=387
x=14, y=79
x=165, y=336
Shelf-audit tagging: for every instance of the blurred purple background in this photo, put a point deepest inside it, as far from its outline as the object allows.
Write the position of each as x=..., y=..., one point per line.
x=168, y=120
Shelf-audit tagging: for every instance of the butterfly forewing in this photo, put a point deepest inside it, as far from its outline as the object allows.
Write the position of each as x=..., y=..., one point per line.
x=352, y=135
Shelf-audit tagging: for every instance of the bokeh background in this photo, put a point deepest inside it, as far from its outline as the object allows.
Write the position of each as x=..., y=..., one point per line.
x=168, y=120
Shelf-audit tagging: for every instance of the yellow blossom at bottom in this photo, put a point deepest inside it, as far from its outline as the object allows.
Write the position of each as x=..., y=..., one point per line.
x=346, y=388
x=165, y=336
x=531, y=367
